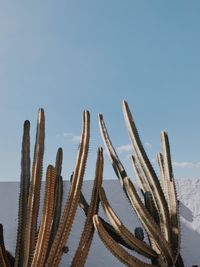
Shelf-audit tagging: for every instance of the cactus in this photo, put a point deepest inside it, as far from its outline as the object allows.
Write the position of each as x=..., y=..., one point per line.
x=43, y=245
x=58, y=197
x=23, y=197
x=88, y=231
x=158, y=213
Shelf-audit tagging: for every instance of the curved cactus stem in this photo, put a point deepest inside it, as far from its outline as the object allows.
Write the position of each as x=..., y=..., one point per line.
x=172, y=196
x=46, y=222
x=57, y=205
x=143, y=183
x=149, y=172
x=34, y=190
x=148, y=222
x=159, y=158
x=58, y=197
x=59, y=159
x=4, y=262
x=115, y=248
x=117, y=165
x=70, y=208
x=138, y=245
x=88, y=230
x=23, y=196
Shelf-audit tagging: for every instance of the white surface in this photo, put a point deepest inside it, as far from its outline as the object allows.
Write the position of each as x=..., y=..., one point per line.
x=189, y=196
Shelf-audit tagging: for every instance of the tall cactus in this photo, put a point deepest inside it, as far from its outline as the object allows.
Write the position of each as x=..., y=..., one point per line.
x=34, y=191
x=159, y=211
x=23, y=197
x=88, y=230
x=58, y=197
x=67, y=218
x=43, y=245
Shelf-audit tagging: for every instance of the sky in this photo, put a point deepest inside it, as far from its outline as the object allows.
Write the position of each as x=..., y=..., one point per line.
x=69, y=56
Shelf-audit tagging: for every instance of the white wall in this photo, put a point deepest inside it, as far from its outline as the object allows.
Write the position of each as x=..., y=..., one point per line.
x=189, y=196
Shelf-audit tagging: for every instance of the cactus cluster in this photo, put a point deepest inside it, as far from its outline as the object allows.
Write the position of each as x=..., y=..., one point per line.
x=157, y=206
x=157, y=211
x=44, y=245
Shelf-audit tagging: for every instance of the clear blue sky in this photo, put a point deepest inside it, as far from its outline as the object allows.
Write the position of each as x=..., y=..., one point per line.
x=67, y=56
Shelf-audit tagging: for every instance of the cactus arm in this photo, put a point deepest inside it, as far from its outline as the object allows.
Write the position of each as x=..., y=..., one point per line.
x=138, y=245
x=111, y=151
x=58, y=197
x=143, y=184
x=148, y=222
x=34, y=190
x=88, y=230
x=57, y=205
x=115, y=248
x=159, y=158
x=73, y=198
x=4, y=262
x=23, y=196
x=107, y=141
x=58, y=190
x=46, y=222
x=149, y=172
x=172, y=196
x=59, y=159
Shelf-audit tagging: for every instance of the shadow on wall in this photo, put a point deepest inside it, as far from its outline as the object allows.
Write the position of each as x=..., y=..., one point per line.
x=186, y=213
x=190, y=246
x=190, y=239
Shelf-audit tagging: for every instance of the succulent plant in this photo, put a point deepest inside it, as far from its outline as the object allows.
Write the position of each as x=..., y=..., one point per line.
x=44, y=245
x=158, y=212
x=156, y=206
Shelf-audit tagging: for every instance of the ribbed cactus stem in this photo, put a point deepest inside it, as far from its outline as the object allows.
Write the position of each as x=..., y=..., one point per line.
x=34, y=190
x=23, y=196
